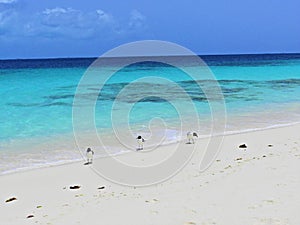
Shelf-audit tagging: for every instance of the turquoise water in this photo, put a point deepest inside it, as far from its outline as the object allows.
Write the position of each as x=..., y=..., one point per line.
x=37, y=96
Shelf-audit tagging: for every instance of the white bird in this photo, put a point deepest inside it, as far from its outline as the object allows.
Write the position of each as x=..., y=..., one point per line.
x=89, y=155
x=191, y=137
x=140, y=142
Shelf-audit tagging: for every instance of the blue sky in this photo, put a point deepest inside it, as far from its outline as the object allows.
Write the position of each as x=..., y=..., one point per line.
x=65, y=28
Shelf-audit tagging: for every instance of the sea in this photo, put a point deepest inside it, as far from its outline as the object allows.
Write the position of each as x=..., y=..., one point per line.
x=38, y=110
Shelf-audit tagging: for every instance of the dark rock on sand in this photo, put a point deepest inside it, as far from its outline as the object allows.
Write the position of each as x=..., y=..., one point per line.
x=227, y=167
x=243, y=146
x=74, y=187
x=11, y=199
x=30, y=216
x=100, y=188
x=270, y=145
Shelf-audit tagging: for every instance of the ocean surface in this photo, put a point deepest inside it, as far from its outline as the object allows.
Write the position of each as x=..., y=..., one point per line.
x=37, y=96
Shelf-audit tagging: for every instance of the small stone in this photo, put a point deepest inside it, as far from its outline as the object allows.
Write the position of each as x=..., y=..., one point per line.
x=100, y=188
x=74, y=187
x=264, y=156
x=238, y=159
x=30, y=216
x=11, y=199
x=270, y=145
x=243, y=146
x=227, y=167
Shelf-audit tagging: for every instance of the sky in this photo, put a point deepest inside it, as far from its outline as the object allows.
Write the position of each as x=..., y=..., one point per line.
x=66, y=28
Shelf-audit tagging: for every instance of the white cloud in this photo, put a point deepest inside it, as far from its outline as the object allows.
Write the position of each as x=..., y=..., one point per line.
x=136, y=15
x=137, y=19
x=58, y=17
x=58, y=10
x=8, y=19
x=62, y=23
x=103, y=16
x=70, y=23
x=7, y=1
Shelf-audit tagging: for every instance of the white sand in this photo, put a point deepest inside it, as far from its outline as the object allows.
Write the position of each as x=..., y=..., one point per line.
x=254, y=190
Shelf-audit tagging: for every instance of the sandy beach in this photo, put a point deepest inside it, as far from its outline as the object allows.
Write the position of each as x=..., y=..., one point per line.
x=149, y=112
x=257, y=185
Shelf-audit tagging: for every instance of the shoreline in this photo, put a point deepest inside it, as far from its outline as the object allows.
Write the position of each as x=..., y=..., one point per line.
x=127, y=151
x=258, y=184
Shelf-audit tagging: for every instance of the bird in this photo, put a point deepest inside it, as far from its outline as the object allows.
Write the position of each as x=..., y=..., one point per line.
x=89, y=155
x=191, y=137
x=140, y=142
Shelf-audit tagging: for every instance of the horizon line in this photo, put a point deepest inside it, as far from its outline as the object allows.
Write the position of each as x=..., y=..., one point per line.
x=93, y=57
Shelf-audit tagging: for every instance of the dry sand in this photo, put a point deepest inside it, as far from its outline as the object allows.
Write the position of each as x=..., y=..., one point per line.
x=259, y=185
